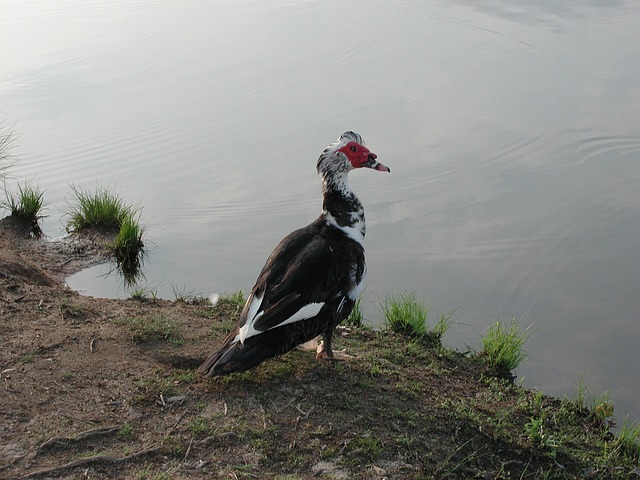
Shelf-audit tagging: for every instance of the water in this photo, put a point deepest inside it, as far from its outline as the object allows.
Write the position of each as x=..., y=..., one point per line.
x=512, y=132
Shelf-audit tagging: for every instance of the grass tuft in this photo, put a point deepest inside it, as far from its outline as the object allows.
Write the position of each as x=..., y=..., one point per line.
x=503, y=346
x=626, y=444
x=102, y=210
x=27, y=204
x=128, y=245
x=105, y=211
x=404, y=314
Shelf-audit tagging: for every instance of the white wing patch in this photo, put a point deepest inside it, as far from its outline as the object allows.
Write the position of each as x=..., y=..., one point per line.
x=251, y=318
x=308, y=311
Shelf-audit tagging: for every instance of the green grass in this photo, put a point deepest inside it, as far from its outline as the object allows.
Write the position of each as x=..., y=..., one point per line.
x=503, y=346
x=105, y=211
x=626, y=444
x=27, y=204
x=153, y=329
x=142, y=293
x=7, y=140
x=599, y=405
x=228, y=305
x=128, y=246
x=126, y=431
x=102, y=210
x=355, y=318
x=404, y=314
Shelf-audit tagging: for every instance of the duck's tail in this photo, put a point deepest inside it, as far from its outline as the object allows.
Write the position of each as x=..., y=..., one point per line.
x=233, y=356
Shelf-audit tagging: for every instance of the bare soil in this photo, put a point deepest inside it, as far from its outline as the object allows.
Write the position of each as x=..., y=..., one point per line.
x=84, y=393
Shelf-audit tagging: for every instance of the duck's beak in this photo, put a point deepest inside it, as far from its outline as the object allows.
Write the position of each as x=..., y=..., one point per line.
x=374, y=164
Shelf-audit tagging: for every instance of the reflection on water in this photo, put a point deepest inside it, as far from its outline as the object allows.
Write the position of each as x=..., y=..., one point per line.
x=512, y=132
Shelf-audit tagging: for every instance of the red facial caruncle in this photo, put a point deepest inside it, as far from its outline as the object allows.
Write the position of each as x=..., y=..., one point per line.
x=360, y=156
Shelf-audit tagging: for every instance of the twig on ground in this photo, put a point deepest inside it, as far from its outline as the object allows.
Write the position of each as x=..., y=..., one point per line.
x=304, y=416
x=219, y=436
x=89, y=461
x=96, y=432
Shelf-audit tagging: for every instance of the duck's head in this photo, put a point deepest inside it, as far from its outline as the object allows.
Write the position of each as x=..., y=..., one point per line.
x=347, y=153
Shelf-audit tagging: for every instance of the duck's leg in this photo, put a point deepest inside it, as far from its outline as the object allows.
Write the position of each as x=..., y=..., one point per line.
x=324, y=349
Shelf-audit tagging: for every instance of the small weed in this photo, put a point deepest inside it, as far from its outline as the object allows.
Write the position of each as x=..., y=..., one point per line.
x=125, y=432
x=356, y=317
x=365, y=449
x=150, y=389
x=147, y=474
x=200, y=426
x=183, y=376
x=503, y=346
x=28, y=358
x=143, y=293
x=182, y=295
x=153, y=329
x=69, y=310
x=604, y=409
x=599, y=405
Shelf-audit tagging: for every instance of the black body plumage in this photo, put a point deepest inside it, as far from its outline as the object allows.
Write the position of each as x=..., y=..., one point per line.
x=310, y=282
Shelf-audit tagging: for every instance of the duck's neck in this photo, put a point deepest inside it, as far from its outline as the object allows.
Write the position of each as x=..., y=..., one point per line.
x=341, y=207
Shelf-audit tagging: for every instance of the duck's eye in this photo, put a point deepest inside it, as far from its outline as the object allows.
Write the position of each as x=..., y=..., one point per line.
x=353, y=149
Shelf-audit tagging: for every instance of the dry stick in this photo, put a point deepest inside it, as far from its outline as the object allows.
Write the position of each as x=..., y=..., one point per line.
x=96, y=432
x=304, y=416
x=88, y=461
x=219, y=436
x=264, y=416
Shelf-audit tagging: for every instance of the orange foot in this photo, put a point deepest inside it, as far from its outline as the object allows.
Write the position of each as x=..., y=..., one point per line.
x=339, y=355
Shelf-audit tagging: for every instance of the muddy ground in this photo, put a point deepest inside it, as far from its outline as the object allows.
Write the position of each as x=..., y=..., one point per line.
x=94, y=388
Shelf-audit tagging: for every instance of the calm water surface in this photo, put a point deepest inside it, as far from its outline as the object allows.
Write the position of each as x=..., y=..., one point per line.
x=512, y=131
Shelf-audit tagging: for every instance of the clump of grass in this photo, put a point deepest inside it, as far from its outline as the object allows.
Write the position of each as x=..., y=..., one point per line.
x=102, y=210
x=27, y=205
x=627, y=442
x=105, y=211
x=404, y=314
x=503, y=346
x=154, y=329
x=128, y=245
x=143, y=293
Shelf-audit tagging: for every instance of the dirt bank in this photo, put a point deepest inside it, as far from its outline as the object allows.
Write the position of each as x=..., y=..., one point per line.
x=101, y=388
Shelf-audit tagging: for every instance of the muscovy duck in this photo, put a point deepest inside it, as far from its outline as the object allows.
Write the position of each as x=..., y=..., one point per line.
x=312, y=279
